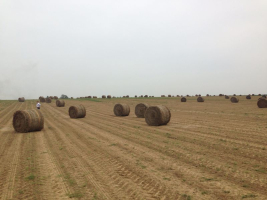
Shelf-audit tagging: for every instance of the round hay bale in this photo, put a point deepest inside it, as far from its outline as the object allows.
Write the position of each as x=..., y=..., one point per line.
x=264, y=96
x=109, y=96
x=42, y=99
x=259, y=94
x=253, y=94
x=207, y=95
x=89, y=97
x=121, y=109
x=157, y=115
x=234, y=100
x=146, y=96
x=95, y=97
x=103, y=96
x=183, y=99
x=21, y=99
x=48, y=100
x=140, y=110
x=200, y=99
x=28, y=120
x=177, y=95
x=77, y=111
x=262, y=103
x=51, y=97
x=248, y=97
x=234, y=95
x=135, y=96
x=127, y=96
x=71, y=97
x=60, y=103
x=55, y=97
x=162, y=95
x=142, y=96
x=169, y=95
x=226, y=97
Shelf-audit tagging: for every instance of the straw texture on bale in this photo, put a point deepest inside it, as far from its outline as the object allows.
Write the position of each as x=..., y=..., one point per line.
x=109, y=96
x=21, y=99
x=103, y=96
x=121, y=109
x=42, y=99
x=48, y=100
x=200, y=99
x=140, y=110
x=234, y=100
x=262, y=103
x=157, y=115
x=28, y=120
x=248, y=97
x=183, y=99
x=60, y=103
x=77, y=111
x=226, y=97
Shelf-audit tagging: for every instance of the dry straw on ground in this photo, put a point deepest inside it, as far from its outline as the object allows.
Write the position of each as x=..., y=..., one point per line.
x=48, y=100
x=140, y=109
x=77, y=111
x=262, y=103
x=21, y=99
x=121, y=109
x=60, y=103
x=200, y=99
x=157, y=115
x=234, y=100
x=28, y=120
x=183, y=99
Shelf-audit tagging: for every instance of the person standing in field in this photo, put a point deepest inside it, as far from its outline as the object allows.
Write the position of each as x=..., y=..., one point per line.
x=38, y=105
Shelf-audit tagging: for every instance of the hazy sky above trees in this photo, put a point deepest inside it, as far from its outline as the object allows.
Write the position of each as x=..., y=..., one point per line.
x=82, y=48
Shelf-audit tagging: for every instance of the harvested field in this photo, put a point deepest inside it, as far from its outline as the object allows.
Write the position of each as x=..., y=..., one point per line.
x=215, y=150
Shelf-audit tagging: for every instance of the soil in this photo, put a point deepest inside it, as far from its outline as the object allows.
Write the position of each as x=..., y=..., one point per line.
x=210, y=150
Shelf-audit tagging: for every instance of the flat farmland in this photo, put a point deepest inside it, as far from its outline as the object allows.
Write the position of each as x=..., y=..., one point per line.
x=210, y=150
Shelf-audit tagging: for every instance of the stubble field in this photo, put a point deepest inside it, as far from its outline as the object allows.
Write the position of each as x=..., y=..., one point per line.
x=211, y=150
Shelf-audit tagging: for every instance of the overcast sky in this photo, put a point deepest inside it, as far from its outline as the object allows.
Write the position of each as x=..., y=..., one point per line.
x=139, y=47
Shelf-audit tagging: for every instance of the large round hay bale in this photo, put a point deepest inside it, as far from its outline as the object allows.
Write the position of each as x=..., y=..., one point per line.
x=157, y=115
x=51, y=97
x=183, y=99
x=200, y=99
x=21, y=99
x=121, y=109
x=146, y=96
x=95, y=97
x=60, y=103
x=234, y=95
x=142, y=96
x=264, y=96
x=162, y=95
x=226, y=97
x=55, y=97
x=177, y=95
x=109, y=96
x=42, y=99
x=77, y=111
x=262, y=103
x=48, y=100
x=248, y=97
x=28, y=120
x=140, y=109
x=127, y=96
x=103, y=96
x=169, y=95
x=234, y=100
x=135, y=96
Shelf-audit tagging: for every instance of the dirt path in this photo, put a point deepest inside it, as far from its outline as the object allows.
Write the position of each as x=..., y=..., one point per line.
x=210, y=150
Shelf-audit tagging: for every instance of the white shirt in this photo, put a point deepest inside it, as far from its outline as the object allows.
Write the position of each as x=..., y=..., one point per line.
x=38, y=105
